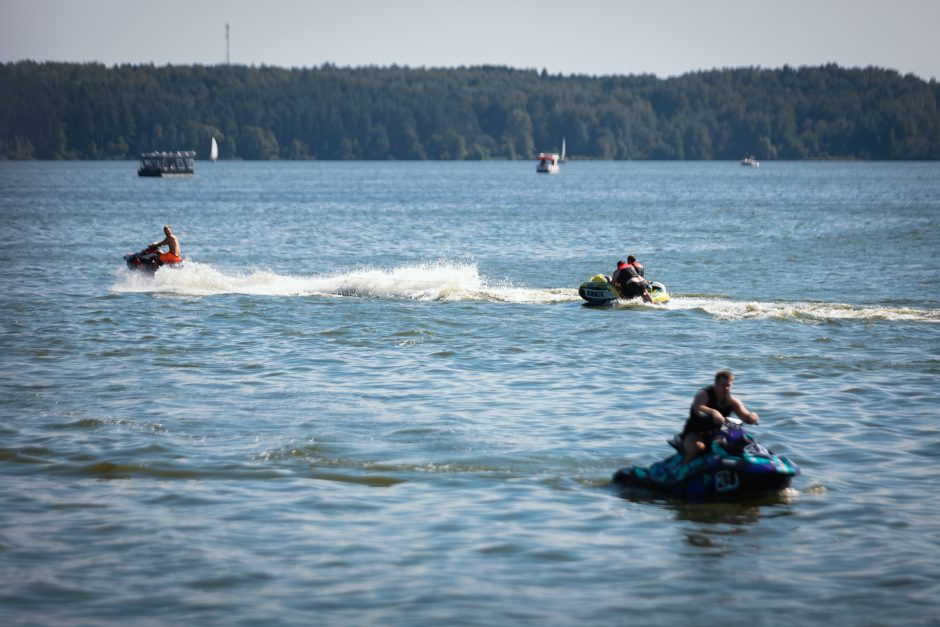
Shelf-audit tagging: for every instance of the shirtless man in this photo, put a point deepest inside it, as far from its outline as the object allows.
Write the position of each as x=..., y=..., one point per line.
x=172, y=243
x=709, y=409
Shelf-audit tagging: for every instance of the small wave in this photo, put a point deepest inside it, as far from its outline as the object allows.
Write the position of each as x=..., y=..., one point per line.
x=726, y=309
x=95, y=423
x=114, y=470
x=319, y=459
x=433, y=281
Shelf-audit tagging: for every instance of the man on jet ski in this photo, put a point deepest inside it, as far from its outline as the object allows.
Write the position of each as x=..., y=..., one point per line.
x=707, y=414
x=629, y=279
x=172, y=243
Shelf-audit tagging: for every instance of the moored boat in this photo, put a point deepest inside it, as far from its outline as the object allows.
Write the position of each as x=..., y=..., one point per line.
x=174, y=163
x=548, y=163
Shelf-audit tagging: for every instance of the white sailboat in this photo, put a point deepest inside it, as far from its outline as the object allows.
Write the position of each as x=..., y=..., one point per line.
x=562, y=150
x=214, y=151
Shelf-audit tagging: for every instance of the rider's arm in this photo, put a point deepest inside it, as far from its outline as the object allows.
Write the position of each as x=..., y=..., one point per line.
x=699, y=406
x=744, y=413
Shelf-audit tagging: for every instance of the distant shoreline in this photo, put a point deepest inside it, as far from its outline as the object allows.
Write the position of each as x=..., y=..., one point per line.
x=70, y=111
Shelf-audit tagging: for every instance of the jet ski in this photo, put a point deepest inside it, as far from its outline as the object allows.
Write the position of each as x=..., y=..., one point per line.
x=148, y=260
x=598, y=290
x=735, y=466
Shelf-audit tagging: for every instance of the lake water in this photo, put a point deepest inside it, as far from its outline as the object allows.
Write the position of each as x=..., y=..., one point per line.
x=372, y=396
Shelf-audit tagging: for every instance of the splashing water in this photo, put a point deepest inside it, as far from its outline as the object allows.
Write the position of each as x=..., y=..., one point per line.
x=450, y=281
x=430, y=281
x=727, y=309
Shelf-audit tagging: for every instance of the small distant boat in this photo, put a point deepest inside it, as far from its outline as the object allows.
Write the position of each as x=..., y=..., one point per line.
x=214, y=150
x=549, y=161
x=751, y=161
x=175, y=163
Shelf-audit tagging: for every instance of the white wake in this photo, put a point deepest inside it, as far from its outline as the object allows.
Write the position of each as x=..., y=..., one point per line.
x=452, y=281
x=440, y=280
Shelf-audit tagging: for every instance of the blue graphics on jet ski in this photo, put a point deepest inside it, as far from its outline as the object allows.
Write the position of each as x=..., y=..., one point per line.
x=735, y=466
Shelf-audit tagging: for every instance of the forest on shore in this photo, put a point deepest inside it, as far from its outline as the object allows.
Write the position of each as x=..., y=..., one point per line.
x=91, y=111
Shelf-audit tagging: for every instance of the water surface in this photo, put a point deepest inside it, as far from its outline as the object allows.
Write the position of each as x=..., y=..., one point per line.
x=373, y=396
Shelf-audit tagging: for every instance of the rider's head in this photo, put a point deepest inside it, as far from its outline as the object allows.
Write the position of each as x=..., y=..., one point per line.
x=631, y=259
x=724, y=380
x=166, y=229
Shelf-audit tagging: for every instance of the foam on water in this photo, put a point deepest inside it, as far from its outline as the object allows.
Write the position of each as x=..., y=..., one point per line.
x=440, y=280
x=453, y=281
x=728, y=309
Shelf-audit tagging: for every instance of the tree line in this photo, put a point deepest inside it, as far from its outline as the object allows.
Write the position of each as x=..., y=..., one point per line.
x=90, y=111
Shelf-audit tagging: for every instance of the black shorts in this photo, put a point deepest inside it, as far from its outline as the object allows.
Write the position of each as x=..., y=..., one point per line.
x=700, y=425
x=632, y=289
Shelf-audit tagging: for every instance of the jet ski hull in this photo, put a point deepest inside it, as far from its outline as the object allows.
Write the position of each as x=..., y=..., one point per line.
x=148, y=260
x=736, y=466
x=598, y=291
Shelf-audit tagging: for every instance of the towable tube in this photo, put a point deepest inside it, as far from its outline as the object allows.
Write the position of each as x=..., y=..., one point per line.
x=598, y=291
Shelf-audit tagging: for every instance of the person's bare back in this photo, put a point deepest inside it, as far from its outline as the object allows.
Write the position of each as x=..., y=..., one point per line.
x=170, y=241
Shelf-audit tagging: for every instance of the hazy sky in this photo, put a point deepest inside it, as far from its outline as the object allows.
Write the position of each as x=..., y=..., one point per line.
x=662, y=37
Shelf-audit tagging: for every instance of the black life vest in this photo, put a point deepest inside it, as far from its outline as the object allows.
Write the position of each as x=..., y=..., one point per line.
x=704, y=425
x=725, y=410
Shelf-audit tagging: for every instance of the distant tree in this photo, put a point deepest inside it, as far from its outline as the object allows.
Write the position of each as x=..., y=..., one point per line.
x=89, y=111
x=257, y=143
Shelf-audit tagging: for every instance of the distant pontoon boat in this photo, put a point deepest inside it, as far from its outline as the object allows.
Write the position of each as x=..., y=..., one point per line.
x=177, y=163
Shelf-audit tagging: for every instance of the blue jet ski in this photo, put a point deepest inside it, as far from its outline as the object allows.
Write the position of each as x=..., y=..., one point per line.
x=735, y=466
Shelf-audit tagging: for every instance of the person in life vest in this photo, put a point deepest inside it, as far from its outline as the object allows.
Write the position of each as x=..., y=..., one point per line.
x=707, y=414
x=629, y=279
x=631, y=261
x=172, y=243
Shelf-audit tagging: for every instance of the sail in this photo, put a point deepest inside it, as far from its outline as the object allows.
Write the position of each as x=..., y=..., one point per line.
x=562, y=149
x=214, y=151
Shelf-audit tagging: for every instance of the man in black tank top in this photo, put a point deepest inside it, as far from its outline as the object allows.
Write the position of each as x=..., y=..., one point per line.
x=709, y=409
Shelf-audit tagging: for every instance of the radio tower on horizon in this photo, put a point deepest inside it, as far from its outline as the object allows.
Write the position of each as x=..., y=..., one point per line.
x=228, y=60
